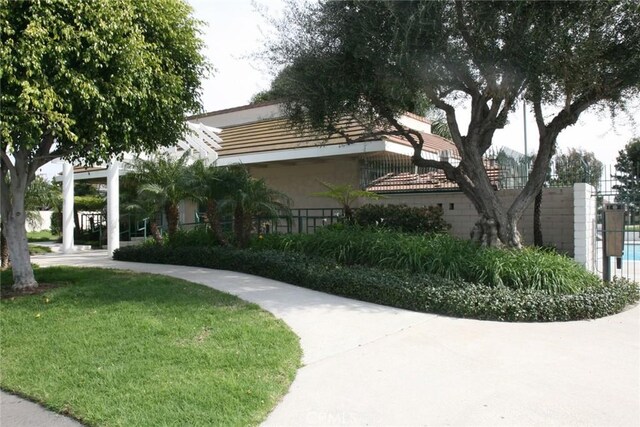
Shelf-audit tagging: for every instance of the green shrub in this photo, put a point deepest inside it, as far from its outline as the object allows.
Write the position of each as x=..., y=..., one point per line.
x=402, y=218
x=89, y=203
x=441, y=255
x=419, y=292
x=56, y=223
x=197, y=236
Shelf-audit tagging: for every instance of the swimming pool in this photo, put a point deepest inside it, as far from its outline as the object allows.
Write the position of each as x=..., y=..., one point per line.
x=631, y=252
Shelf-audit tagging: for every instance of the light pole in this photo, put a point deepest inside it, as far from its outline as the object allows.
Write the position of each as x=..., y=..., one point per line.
x=524, y=120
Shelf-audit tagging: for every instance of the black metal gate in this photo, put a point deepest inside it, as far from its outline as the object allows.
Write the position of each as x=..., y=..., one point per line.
x=618, y=231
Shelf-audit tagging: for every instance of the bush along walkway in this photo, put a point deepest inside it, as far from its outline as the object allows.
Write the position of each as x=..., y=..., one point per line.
x=398, y=288
x=366, y=364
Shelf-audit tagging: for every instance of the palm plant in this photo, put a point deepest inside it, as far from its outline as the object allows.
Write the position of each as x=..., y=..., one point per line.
x=252, y=199
x=209, y=186
x=163, y=181
x=346, y=195
x=140, y=204
x=41, y=195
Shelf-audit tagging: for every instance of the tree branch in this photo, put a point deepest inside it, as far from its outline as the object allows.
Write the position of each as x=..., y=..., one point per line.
x=452, y=121
x=6, y=161
x=548, y=134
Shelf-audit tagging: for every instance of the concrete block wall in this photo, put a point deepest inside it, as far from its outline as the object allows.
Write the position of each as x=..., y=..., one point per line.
x=556, y=217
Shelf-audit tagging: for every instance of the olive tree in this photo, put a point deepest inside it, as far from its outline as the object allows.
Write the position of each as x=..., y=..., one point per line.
x=88, y=80
x=372, y=61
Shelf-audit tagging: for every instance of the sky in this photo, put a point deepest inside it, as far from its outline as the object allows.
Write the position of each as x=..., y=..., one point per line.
x=234, y=30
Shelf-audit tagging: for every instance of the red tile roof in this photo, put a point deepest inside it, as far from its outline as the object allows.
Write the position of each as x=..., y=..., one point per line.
x=409, y=182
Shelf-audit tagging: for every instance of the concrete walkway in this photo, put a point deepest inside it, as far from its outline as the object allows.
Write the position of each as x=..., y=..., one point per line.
x=366, y=364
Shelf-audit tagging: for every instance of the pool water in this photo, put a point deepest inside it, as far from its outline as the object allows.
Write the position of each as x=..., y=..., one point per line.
x=631, y=252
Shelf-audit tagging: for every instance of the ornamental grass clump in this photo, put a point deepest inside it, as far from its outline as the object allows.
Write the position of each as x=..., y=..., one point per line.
x=442, y=255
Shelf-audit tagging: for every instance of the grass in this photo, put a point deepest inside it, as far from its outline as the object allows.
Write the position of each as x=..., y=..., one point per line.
x=39, y=250
x=41, y=236
x=118, y=348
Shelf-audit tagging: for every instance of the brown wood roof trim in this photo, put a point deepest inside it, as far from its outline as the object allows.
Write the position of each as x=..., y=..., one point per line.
x=270, y=147
x=276, y=134
x=232, y=110
x=276, y=131
x=417, y=117
x=432, y=143
x=267, y=103
x=82, y=169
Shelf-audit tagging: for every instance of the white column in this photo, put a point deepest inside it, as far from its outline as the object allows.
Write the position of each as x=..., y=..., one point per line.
x=113, y=206
x=67, y=208
x=584, y=223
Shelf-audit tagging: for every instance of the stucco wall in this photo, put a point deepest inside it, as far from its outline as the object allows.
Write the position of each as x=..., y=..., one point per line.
x=556, y=218
x=300, y=179
x=44, y=223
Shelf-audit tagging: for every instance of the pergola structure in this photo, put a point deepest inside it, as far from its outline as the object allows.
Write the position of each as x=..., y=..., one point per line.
x=200, y=140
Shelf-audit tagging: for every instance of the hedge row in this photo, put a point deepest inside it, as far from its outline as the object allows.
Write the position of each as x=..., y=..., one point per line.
x=441, y=255
x=419, y=292
x=403, y=218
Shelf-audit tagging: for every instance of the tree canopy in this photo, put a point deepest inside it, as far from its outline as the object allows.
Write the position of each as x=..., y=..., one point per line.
x=88, y=80
x=577, y=165
x=99, y=78
x=375, y=60
x=628, y=174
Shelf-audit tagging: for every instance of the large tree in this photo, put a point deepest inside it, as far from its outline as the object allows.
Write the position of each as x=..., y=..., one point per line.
x=577, y=165
x=375, y=60
x=628, y=174
x=88, y=80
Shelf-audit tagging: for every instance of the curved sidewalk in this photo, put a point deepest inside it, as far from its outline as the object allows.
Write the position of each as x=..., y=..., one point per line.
x=366, y=364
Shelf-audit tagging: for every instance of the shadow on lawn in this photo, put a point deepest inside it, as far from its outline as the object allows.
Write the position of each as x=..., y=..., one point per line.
x=98, y=287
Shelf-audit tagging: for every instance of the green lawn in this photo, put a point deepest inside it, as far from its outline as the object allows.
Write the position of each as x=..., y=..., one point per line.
x=39, y=250
x=121, y=349
x=41, y=236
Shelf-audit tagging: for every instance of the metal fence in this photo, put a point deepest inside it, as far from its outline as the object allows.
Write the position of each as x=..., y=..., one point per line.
x=398, y=175
x=618, y=224
x=94, y=226
x=301, y=221
x=613, y=187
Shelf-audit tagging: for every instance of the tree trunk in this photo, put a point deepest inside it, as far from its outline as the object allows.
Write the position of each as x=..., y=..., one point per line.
x=497, y=231
x=173, y=216
x=241, y=222
x=214, y=222
x=246, y=230
x=155, y=232
x=496, y=227
x=348, y=214
x=77, y=231
x=23, y=277
x=537, y=225
x=14, y=216
x=4, y=249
